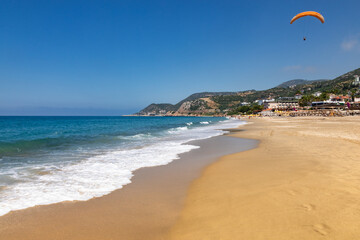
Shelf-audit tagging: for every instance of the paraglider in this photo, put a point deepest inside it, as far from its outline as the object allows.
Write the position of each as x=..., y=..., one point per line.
x=308, y=13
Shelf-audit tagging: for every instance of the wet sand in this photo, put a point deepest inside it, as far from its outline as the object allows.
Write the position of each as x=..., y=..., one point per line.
x=302, y=182
x=144, y=209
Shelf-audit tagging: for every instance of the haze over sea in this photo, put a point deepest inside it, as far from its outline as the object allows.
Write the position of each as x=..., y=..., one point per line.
x=45, y=160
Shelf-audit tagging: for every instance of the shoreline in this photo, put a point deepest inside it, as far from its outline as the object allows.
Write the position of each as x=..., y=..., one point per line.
x=155, y=196
x=301, y=182
x=77, y=168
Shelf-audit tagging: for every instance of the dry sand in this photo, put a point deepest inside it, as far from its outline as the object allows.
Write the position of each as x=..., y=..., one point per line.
x=302, y=182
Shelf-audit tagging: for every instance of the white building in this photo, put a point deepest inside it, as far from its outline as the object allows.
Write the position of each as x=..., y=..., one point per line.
x=263, y=101
x=298, y=96
x=356, y=81
x=281, y=105
x=317, y=94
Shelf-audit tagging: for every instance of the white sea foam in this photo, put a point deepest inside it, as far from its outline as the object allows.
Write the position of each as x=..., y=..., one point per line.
x=189, y=123
x=135, y=137
x=101, y=174
x=204, y=122
x=178, y=129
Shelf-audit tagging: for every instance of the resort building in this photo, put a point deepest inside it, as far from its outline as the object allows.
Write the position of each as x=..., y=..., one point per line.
x=298, y=96
x=271, y=105
x=282, y=99
x=335, y=101
x=328, y=104
x=339, y=98
x=282, y=105
x=262, y=101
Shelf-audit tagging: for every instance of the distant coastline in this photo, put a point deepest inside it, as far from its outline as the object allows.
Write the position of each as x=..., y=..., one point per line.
x=290, y=96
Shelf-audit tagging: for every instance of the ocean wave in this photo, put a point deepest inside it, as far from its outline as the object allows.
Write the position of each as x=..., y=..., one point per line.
x=93, y=177
x=101, y=174
x=204, y=122
x=176, y=130
x=139, y=136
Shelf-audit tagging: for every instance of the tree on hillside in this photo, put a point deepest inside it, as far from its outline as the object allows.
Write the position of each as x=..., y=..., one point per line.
x=254, y=108
x=306, y=100
x=335, y=91
x=324, y=96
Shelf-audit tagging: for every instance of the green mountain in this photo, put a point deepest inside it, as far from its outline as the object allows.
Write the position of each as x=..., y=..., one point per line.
x=210, y=103
x=296, y=82
x=156, y=108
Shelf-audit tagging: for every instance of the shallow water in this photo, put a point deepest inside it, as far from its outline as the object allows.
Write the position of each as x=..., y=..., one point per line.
x=45, y=160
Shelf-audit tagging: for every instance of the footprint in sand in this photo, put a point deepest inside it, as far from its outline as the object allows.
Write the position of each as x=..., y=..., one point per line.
x=308, y=207
x=292, y=192
x=321, y=229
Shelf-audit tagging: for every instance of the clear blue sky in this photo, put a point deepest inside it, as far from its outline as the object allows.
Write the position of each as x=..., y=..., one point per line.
x=116, y=57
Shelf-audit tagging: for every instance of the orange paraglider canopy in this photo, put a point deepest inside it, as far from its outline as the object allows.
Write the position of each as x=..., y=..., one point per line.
x=308, y=13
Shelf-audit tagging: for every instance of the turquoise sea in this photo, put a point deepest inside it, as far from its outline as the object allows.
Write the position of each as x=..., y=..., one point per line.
x=45, y=160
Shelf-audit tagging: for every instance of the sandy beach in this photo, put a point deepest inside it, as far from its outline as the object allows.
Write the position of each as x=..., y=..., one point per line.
x=144, y=209
x=302, y=182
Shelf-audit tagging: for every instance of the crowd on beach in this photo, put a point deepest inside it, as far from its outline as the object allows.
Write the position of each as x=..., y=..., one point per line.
x=304, y=113
x=325, y=113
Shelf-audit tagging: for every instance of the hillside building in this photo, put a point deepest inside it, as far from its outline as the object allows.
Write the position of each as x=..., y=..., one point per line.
x=356, y=81
x=339, y=98
x=282, y=104
x=328, y=104
x=262, y=101
x=298, y=96
x=335, y=101
x=317, y=94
